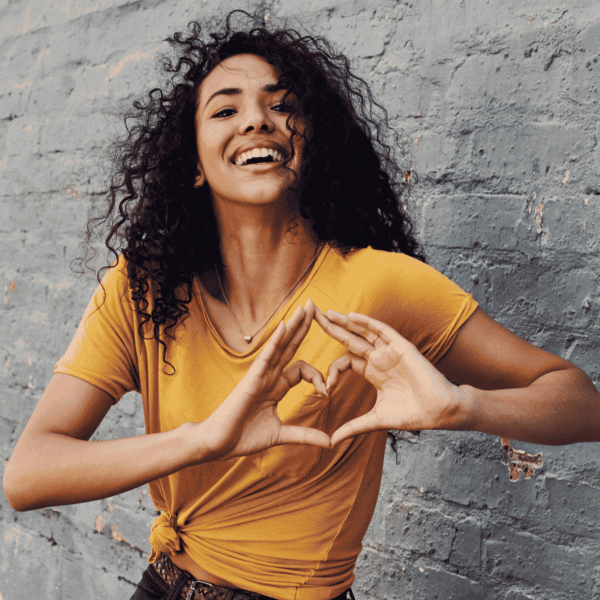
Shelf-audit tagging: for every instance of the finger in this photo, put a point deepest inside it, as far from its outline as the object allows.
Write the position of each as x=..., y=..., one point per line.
x=299, y=371
x=294, y=343
x=310, y=308
x=346, y=323
x=353, y=342
x=293, y=434
x=343, y=363
x=385, y=332
x=295, y=321
x=282, y=340
x=358, y=426
x=269, y=355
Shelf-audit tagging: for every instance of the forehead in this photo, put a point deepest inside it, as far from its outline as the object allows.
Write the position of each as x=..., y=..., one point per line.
x=243, y=71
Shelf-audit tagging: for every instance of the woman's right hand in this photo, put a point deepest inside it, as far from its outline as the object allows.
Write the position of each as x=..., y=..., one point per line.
x=247, y=421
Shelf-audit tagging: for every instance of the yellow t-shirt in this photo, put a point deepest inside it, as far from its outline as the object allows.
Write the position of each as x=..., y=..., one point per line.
x=287, y=522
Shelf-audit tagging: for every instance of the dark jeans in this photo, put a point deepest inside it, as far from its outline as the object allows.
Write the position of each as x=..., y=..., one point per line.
x=152, y=587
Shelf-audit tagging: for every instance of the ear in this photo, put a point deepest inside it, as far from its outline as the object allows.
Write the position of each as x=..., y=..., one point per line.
x=200, y=178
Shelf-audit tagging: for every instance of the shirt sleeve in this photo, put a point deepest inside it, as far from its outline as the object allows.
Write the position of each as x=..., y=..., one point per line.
x=103, y=349
x=425, y=306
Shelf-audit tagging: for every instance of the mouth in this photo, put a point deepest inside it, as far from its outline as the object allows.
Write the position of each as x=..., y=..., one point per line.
x=258, y=156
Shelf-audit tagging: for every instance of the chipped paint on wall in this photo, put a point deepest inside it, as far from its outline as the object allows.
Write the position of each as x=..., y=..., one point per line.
x=538, y=217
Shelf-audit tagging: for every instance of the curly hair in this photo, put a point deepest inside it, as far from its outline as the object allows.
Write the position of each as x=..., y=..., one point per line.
x=350, y=188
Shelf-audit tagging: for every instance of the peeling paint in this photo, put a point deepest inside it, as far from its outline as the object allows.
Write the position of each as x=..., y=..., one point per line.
x=116, y=534
x=74, y=193
x=566, y=176
x=135, y=56
x=520, y=460
x=538, y=217
x=531, y=201
x=98, y=524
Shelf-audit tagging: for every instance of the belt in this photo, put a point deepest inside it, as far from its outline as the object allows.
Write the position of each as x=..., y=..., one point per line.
x=202, y=590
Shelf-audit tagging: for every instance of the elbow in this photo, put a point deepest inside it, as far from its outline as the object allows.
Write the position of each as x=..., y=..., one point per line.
x=10, y=492
x=17, y=497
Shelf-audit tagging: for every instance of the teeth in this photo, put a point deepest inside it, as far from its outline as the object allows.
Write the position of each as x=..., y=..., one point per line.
x=243, y=158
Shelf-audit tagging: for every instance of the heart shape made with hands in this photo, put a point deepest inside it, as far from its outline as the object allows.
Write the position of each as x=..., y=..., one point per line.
x=411, y=393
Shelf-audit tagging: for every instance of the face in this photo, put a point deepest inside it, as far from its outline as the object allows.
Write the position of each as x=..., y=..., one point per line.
x=241, y=133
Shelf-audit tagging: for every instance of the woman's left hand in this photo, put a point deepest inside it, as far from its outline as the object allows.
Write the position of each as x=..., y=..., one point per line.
x=411, y=393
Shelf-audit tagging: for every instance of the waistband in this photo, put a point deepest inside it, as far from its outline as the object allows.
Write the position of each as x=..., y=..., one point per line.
x=195, y=589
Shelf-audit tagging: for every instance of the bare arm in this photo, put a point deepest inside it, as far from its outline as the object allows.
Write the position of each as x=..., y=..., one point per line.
x=53, y=462
x=508, y=387
x=514, y=389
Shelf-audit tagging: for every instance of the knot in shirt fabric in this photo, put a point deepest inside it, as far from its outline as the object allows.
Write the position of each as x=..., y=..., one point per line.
x=164, y=536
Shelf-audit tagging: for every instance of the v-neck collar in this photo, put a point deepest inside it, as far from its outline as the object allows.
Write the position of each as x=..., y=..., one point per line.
x=200, y=290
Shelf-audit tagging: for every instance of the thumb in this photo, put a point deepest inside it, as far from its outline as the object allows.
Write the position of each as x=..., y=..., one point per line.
x=364, y=424
x=292, y=434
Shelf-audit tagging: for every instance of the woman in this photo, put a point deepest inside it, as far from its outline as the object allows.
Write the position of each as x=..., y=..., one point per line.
x=253, y=204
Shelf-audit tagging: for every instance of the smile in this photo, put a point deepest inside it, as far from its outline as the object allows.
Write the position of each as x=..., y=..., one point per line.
x=259, y=155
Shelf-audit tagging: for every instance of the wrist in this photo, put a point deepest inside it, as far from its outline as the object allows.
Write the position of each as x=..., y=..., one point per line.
x=192, y=440
x=466, y=411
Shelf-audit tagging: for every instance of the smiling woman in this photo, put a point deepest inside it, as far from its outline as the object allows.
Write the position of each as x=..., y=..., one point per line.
x=255, y=214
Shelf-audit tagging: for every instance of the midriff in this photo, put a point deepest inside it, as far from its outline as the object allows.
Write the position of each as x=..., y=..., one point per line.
x=185, y=563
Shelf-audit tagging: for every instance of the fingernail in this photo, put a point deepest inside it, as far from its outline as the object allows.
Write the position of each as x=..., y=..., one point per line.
x=328, y=383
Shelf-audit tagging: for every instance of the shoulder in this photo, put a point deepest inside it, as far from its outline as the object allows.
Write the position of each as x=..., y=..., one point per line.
x=380, y=269
x=115, y=275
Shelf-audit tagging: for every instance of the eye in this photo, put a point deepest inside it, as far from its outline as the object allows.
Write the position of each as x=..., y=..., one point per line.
x=223, y=113
x=282, y=107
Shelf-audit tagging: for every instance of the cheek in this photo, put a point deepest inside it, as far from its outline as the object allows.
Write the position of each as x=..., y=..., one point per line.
x=207, y=142
x=212, y=139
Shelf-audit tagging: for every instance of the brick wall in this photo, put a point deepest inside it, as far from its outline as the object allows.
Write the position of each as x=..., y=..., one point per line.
x=499, y=105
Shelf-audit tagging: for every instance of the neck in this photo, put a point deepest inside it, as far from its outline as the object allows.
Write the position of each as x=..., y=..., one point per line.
x=264, y=256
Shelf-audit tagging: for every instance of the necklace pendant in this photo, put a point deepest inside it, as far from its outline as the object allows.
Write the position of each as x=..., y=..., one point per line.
x=247, y=339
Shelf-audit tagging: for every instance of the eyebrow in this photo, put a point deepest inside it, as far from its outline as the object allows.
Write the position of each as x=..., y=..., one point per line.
x=269, y=88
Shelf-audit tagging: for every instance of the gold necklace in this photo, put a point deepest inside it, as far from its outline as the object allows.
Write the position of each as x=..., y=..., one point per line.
x=248, y=338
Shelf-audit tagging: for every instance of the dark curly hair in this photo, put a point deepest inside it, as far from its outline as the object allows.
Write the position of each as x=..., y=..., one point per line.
x=350, y=188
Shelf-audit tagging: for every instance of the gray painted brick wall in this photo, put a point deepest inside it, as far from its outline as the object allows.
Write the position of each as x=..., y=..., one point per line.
x=498, y=102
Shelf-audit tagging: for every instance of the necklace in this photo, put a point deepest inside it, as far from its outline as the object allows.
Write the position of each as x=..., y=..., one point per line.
x=248, y=338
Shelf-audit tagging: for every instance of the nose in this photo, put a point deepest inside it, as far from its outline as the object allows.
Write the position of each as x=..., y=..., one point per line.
x=256, y=118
